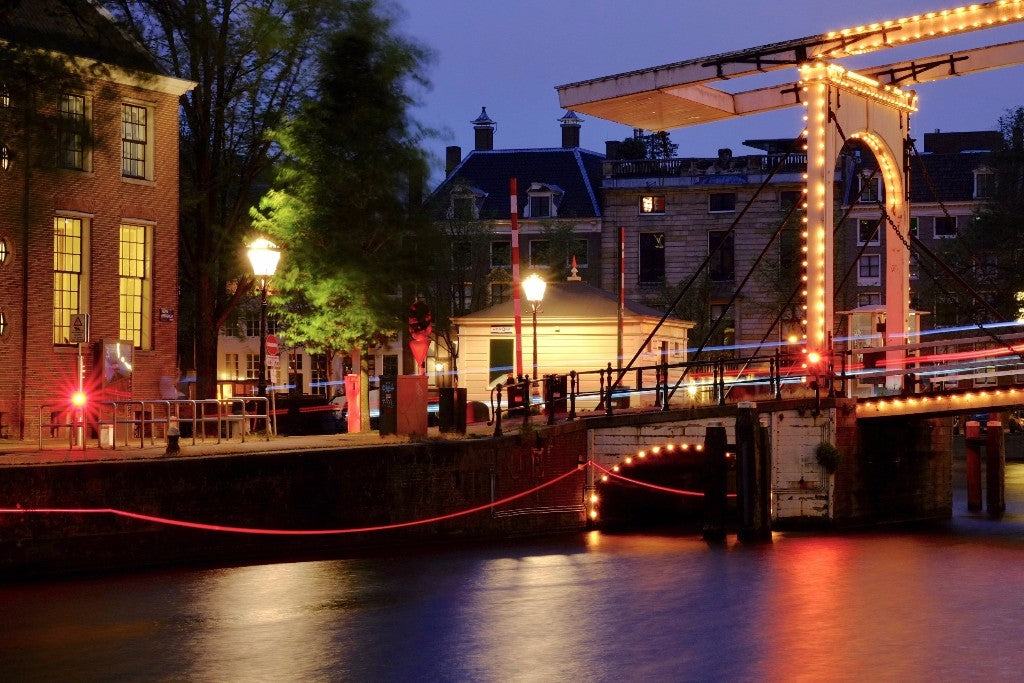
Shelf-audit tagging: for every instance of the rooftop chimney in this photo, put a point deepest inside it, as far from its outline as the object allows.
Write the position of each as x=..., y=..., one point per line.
x=570, y=130
x=484, y=126
x=452, y=157
x=611, y=149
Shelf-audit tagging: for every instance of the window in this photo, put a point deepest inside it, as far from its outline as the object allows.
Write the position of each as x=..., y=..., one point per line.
x=870, y=189
x=540, y=206
x=790, y=198
x=69, y=266
x=230, y=366
x=3, y=324
x=868, y=231
x=252, y=366
x=501, y=254
x=500, y=292
x=5, y=96
x=988, y=378
x=869, y=269
x=652, y=204
x=250, y=326
x=869, y=299
x=540, y=253
x=318, y=378
x=5, y=157
x=945, y=227
x=652, y=258
x=723, y=266
x=136, y=160
x=915, y=267
x=579, y=249
x=73, y=127
x=463, y=207
x=725, y=333
x=462, y=255
x=295, y=371
x=5, y=251
x=915, y=227
x=500, y=359
x=134, y=265
x=984, y=184
x=721, y=202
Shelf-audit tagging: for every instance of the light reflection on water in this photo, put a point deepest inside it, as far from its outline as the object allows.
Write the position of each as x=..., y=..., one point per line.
x=892, y=606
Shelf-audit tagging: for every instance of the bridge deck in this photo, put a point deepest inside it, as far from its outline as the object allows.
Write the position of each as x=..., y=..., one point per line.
x=942, y=403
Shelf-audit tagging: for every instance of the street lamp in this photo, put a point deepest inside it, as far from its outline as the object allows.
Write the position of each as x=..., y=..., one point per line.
x=264, y=255
x=534, y=287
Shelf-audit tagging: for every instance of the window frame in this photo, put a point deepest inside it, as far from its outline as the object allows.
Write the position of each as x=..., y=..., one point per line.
x=74, y=129
x=877, y=229
x=872, y=195
x=869, y=262
x=653, y=200
x=146, y=143
x=991, y=183
x=711, y=202
x=945, y=236
x=547, y=252
x=78, y=273
x=503, y=243
x=135, y=322
x=725, y=258
x=657, y=247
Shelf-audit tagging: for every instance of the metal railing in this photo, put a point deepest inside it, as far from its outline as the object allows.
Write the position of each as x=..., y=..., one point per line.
x=114, y=422
x=709, y=382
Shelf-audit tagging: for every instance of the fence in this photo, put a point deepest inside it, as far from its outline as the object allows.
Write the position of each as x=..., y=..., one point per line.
x=114, y=422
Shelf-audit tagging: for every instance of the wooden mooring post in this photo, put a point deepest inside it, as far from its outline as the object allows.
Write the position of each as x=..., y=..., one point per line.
x=714, y=483
x=972, y=449
x=995, y=468
x=752, y=494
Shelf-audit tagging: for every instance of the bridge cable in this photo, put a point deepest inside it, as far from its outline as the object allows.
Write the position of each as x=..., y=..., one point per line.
x=711, y=254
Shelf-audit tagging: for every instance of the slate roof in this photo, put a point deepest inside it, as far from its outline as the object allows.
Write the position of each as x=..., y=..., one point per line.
x=567, y=300
x=576, y=171
x=72, y=27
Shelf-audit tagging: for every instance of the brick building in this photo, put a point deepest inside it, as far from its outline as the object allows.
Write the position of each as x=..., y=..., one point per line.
x=88, y=212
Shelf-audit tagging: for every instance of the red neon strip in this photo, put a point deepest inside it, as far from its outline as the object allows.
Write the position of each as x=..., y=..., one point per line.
x=665, y=489
x=282, y=532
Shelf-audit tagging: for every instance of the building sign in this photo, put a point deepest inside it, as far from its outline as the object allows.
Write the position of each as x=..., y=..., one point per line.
x=79, y=328
x=501, y=329
x=167, y=315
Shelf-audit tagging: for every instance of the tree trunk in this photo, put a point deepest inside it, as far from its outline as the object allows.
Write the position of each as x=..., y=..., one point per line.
x=206, y=340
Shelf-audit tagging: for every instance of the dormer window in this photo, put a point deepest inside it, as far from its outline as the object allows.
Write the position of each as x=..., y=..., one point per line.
x=984, y=184
x=542, y=201
x=870, y=189
x=465, y=203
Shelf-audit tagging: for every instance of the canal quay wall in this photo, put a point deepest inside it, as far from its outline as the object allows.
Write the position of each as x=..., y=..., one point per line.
x=333, y=489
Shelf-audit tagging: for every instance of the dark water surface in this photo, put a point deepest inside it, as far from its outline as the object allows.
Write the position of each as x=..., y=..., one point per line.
x=941, y=604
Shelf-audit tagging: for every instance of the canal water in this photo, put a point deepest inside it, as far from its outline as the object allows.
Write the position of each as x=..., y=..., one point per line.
x=943, y=603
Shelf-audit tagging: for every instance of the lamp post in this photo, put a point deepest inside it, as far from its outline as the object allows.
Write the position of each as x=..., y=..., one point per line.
x=534, y=287
x=264, y=255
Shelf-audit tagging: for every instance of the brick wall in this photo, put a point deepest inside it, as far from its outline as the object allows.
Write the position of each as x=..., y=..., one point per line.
x=28, y=204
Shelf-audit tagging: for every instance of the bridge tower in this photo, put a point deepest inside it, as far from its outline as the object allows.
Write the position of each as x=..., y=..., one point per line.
x=841, y=106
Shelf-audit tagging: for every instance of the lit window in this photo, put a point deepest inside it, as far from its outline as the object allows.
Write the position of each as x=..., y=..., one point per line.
x=652, y=258
x=252, y=366
x=135, y=157
x=230, y=366
x=134, y=266
x=73, y=128
x=4, y=251
x=984, y=184
x=5, y=157
x=69, y=235
x=652, y=204
x=722, y=202
x=869, y=268
x=945, y=227
x=5, y=96
x=3, y=324
x=868, y=231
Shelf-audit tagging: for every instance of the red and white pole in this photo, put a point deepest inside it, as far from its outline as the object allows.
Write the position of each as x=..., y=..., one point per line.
x=516, y=294
x=622, y=293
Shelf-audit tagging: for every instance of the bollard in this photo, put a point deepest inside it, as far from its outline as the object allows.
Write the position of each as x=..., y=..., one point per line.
x=609, y=386
x=497, y=412
x=972, y=447
x=714, y=483
x=573, y=387
x=173, y=435
x=995, y=468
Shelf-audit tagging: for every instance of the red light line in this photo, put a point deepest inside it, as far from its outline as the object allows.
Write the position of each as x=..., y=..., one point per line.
x=665, y=489
x=284, y=532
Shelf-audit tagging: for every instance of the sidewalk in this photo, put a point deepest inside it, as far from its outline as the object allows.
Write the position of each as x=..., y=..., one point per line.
x=56, y=451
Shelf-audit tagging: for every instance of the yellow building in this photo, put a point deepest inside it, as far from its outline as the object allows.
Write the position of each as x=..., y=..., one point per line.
x=576, y=330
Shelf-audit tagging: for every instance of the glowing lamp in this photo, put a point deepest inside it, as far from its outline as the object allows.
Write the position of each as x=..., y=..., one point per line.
x=813, y=357
x=79, y=398
x=263, y=255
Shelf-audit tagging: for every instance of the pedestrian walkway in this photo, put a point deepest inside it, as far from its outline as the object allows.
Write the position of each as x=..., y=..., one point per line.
x=56, y=451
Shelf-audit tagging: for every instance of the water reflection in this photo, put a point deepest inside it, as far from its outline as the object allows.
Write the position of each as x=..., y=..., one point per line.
x=893, y=606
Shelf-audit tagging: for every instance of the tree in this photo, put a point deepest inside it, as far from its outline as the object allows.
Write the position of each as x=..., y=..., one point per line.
x=656, y=145
x=253, y=64
x=345, y=201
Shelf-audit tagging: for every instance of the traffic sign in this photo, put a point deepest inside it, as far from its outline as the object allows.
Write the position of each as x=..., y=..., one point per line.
x=79, y=328
x=272, y=346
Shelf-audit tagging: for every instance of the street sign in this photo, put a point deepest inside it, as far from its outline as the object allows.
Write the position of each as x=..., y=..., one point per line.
x=273, y=361
x=272, y=346
x=79, y=328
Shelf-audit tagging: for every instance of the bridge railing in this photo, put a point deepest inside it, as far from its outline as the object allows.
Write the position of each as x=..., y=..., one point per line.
x=657, y=386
